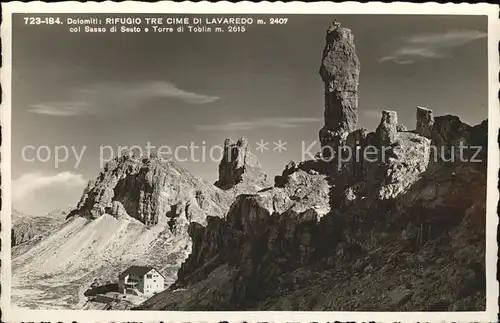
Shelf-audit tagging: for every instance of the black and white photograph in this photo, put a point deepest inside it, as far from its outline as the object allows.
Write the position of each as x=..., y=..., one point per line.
x=250, y=161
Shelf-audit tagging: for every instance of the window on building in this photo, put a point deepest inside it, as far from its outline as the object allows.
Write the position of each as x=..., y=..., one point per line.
x=149, y=276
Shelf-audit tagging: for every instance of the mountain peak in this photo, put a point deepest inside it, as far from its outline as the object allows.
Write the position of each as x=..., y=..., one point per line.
x=147, y=188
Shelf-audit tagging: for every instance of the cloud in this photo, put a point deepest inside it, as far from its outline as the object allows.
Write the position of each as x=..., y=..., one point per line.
x=62, y=109
x=28, y=184
x=430, y=46
x=403, y=62
x=448, y=39
x=108, y=97
x=285, y=122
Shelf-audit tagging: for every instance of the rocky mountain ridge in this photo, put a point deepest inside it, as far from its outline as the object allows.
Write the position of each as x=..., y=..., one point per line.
x=400, y=231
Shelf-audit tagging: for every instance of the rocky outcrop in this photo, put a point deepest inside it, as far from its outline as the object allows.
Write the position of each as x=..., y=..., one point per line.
x=425, y=122
x=340, y=73
x=402, y=158
x=384, y=163
x=239, y=169
x=258, y=259
x=146, y=189
x=391, y=159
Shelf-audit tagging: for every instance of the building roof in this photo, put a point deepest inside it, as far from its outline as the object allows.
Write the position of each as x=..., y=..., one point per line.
x=137, y=271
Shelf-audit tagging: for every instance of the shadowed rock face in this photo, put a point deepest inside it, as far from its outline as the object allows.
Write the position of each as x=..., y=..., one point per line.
x=340, y=73
x=260, y=259
x=387, y=129
x=240, y=169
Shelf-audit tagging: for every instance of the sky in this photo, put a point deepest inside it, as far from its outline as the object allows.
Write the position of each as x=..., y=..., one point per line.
x=90, y=90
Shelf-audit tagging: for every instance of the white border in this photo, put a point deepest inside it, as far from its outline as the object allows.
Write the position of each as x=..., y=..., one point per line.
x=492, y=11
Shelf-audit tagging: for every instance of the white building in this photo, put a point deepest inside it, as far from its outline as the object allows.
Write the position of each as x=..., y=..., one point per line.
x=141, y=280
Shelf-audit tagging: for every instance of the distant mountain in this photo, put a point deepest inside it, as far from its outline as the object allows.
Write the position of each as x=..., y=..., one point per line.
x=61, y=212
x=27, y=227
